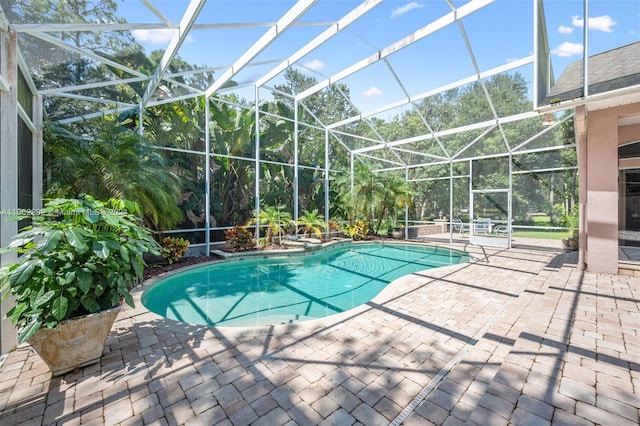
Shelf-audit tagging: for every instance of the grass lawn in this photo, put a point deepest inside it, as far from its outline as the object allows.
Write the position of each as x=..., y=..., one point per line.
x=546, y=234
x=541, y=219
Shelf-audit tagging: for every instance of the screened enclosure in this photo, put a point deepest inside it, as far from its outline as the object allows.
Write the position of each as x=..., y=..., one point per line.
x=395, y=113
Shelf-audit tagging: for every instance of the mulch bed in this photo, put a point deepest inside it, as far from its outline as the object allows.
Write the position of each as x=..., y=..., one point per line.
x=154, y=270
x=157, y=269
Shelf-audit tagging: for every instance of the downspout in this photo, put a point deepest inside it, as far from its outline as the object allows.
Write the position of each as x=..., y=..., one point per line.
x=581, y=137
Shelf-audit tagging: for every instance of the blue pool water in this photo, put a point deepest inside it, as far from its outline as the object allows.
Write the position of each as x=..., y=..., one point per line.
x=283, y=290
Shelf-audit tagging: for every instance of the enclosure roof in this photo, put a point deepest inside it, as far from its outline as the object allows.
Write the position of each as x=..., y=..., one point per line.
x=387, y=57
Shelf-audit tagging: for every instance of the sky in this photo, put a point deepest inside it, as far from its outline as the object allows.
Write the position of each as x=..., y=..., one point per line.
x=498, y=34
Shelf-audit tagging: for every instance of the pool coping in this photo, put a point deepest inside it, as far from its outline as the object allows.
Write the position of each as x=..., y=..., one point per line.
x=385, y=295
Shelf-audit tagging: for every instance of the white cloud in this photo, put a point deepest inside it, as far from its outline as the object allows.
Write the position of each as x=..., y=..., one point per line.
x=567, y=49
x=599, y=23
x=153, y=36
x=406, y=8
x=565, y=30
x=314, y=65
x=371, y=92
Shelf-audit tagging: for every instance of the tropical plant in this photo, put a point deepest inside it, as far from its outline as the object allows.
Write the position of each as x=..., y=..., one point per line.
x=311, y=221
x=233, y=132
x=79, y=256
x=357, y=231
x=275, y=219
x=395, y=194
x=115, y=162
x=239, y=238
x=357, y=197
x=173, y=249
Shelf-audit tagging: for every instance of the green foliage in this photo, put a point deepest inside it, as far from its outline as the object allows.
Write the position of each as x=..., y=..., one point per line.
x=372, y=196
x=115, y=162
x=563, y=218
x=173, y=249
x=239, y=238
x=573, y=220
x=80, y=256
x=357, y=231
x=275, y=219
x=311, y=221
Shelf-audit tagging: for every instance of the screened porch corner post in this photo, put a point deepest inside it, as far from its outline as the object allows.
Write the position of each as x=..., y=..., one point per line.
x=450, y=201
x=406, y=206
x=510, y=201
x=257, y=171
x=296, y=183
x=8, y=168
x=207, y=179
x=38, y=153
x=352, y=184
x=326, y=181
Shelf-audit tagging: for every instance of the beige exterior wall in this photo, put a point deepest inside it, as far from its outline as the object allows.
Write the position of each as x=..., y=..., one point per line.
x=602, y=191
x=628, y=134
x=599, y=134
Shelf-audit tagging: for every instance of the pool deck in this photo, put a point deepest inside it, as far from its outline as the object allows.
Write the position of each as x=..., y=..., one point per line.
x=524, y=339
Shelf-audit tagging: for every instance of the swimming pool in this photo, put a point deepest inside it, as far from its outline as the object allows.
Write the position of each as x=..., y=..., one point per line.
x=258, y=292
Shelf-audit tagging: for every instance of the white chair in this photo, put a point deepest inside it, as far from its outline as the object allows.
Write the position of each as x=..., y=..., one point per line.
x=458, y=225
x=502, y=229
x=482, y=226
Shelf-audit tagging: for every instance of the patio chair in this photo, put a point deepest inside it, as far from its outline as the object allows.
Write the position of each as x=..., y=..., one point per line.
x=482, y=226
x=459, y=226
x=502, y=229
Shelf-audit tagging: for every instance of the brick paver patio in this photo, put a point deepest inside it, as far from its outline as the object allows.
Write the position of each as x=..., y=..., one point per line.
x=525, y=339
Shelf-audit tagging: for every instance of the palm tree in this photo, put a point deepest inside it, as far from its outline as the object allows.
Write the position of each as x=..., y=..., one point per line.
x=311, y=221
x=360, y=200
x=114, y=162
x=275, y=219
x=396, y=193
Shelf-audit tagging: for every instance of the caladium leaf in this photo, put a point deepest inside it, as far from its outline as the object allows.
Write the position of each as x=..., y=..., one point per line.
x=29, y=330
x=83, y=277
x=22, y=273
x=59, y=308
x=76, y=239
x=50, y=241
x=43, y=298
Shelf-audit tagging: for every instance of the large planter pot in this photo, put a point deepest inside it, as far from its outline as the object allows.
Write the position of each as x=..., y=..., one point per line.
x=74, y=343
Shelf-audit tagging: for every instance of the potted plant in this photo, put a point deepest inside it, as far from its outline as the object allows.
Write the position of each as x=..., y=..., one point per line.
x=573, y=222
x=77, y=262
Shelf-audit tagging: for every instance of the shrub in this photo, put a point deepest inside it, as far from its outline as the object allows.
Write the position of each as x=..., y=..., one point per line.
x=80, y=256
x=357, y=231
x=173, y=248
x=239, y=238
